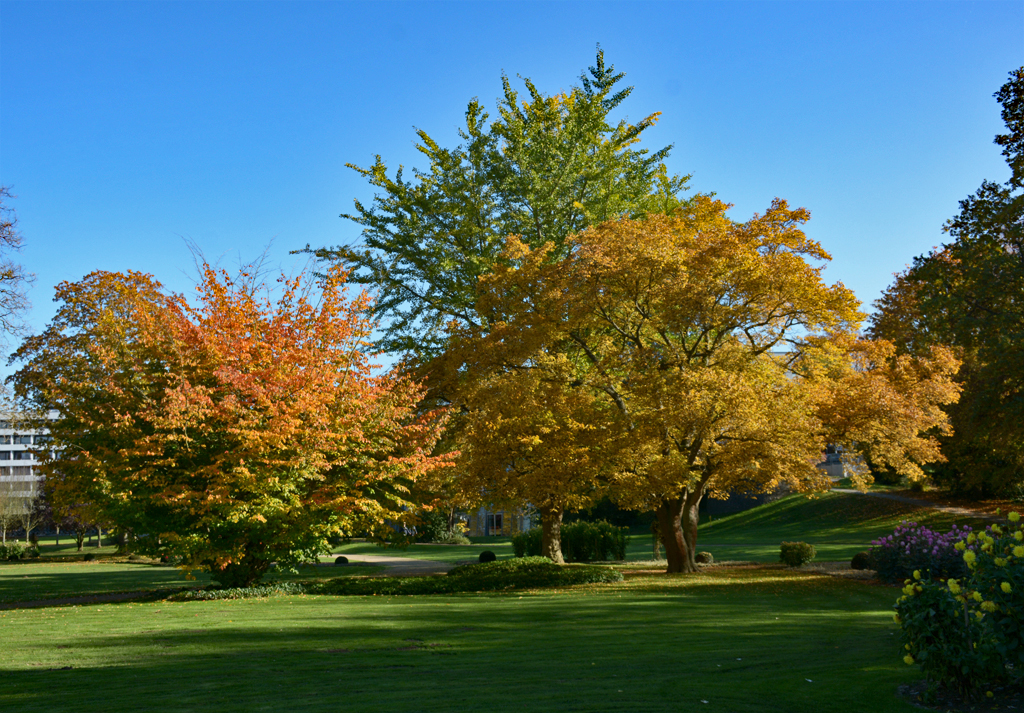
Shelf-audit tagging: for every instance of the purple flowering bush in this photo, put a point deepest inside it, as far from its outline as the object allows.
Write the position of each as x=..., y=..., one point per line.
x=915, y=547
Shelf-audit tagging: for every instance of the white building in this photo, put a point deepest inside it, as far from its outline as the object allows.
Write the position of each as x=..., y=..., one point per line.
x=20, y=450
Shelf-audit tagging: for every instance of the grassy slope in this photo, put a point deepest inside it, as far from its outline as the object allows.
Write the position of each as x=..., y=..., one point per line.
x=743, y=640
x=838, y=525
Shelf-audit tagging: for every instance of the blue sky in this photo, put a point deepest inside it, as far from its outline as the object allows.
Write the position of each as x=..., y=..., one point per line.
x=128, y=128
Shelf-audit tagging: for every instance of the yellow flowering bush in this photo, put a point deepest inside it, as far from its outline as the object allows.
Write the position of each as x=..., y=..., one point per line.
x=968, y=633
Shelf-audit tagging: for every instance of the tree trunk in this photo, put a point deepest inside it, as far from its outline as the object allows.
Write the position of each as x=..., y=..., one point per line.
x=58, y=534
x=678, y=519
x=80, y=539
x=99, y=536
x=551, y=534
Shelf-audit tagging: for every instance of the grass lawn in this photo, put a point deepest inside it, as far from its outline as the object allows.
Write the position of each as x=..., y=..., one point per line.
x=740, y=639
x=500, y=546
x=839, y=525
x=41, y=579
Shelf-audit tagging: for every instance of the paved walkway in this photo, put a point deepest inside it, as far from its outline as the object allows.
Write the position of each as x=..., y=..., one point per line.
x=962, y=512
x=396, y=566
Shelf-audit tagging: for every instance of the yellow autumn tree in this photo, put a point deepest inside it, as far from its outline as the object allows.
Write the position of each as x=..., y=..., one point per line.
x=722, y=358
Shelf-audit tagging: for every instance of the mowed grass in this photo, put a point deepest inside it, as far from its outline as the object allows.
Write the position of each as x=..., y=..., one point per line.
x=838, y=524
x=500, y=546
x=41, y=579
x=746, y=639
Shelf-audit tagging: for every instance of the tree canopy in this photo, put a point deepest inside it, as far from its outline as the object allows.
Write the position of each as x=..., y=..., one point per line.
x=720, y=359
x=231, y=433
x=969, y=293
x=547, y=166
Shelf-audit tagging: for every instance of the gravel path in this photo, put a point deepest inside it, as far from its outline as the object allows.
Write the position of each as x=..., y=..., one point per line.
x=396, y=566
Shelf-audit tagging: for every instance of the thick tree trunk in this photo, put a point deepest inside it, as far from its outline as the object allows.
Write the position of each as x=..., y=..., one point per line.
x=551, y=534
x=677, y=520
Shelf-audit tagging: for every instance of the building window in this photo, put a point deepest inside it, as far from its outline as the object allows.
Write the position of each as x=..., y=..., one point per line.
x=5, y=455
x=22, y=455
x=494, y=523
x=23, y=440
x=6, y=440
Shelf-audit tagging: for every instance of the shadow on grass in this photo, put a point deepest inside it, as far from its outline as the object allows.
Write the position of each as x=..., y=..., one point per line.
x=744, y=641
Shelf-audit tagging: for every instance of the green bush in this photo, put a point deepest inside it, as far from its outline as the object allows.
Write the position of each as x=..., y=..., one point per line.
x=968, y=634
x=527, y=544
x=861, y=560
x=703, y=558
x=258, y=592
x=795, y=554
x=594, y=541
x=502, y=575
x=11, y=552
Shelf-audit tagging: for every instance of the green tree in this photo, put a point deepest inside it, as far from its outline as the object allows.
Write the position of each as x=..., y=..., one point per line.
x=547, y=167
x=969, y=293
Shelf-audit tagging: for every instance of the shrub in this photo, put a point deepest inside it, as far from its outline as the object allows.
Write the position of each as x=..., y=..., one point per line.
x=341, y=560
x=594, y=541
x=456, y=538
x=912, y=547
x=487, y=556
x=527, y=544
x=968, y=633
x=30, y=553
x=795, y=554
x=703, y=558
x=518, y=573
x=259, y=592
x=11, y=552
x=861, y=560
x=431, y=527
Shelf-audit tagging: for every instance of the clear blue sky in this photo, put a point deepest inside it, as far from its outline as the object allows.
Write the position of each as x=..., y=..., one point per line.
x=127, y=127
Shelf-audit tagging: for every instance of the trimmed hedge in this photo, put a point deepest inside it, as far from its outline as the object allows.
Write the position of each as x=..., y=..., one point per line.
x=581, y=542
x=795, y=554
x=259, y=592
x=503, y=575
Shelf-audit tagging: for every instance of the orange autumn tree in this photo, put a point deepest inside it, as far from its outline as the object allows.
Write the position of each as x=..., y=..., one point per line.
x=698, y=334
x=231, y=433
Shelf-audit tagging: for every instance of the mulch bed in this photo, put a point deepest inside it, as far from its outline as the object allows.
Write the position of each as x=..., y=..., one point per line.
x=940, y=699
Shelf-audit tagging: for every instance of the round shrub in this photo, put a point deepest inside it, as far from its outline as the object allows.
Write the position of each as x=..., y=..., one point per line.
x=795, y=554
x=487, y=556
x=341, y=560
x=861, y=560
x=703, y=558
x=89, y=557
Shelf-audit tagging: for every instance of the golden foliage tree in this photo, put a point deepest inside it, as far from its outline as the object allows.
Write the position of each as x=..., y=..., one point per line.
x=696, y=334
x=231, y=433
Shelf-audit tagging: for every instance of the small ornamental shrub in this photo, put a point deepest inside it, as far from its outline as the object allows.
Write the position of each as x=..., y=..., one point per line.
x=967, y=633
x=861, y=560
x=89, y=557
x=30, y=553
x=502, y=575
x=912, y=547
x=703, y=558
x=795, y=554
x=455, y=538
x=487, y=556
x=527, y=544
x=341, y=560
x=11, y=552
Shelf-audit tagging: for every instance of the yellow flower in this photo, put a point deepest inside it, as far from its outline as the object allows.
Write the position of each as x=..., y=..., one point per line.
x=896, y=618
x=1000, y=562
x=908, y=659
x=971, y=539
x=989, y=694
x=976, y=596
x=906, y=646
x=954, y=587
x=1005, y=586
x=996, y=529
x=1014, y=516
x=979, y=615
x=1018, y=535
x=989, y=606
x=917, y=574
x=961, y=546
x=1018, y=551
x=969, y=556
